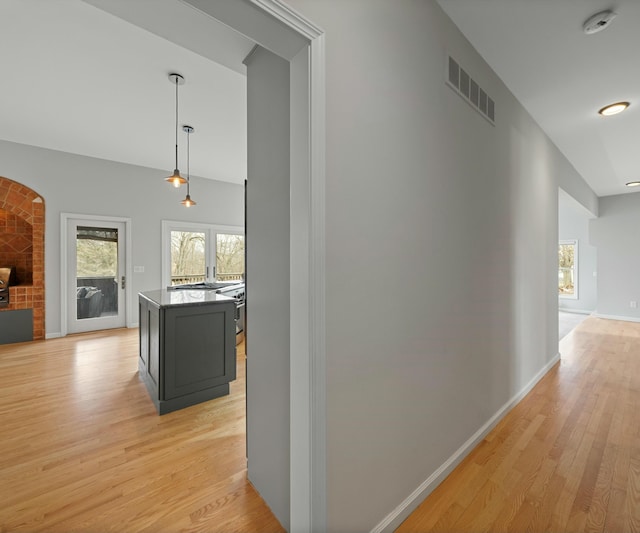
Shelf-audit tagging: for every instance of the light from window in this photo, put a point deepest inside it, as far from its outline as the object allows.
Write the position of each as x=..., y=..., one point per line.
x=229, y=257
x=567, y=269
x=188, y=264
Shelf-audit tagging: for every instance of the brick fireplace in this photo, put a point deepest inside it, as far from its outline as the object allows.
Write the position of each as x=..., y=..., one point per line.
x=22, y=247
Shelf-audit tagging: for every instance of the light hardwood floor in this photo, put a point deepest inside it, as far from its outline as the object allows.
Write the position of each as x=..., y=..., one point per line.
x=83, y=450
x=565, y=459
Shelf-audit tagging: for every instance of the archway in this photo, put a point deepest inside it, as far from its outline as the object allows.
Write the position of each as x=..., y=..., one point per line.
x=22, y=226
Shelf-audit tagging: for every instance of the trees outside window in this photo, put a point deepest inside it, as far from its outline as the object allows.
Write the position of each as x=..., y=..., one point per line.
x=568, y=269
x=229, y=257
x=188, y=261
x=193, y=253
x=97, y=252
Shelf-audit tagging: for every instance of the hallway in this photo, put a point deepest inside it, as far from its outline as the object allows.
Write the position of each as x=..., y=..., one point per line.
x=566, y=458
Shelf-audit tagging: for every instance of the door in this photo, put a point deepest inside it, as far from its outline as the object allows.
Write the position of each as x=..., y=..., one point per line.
x=194, y=253
x=95, y=275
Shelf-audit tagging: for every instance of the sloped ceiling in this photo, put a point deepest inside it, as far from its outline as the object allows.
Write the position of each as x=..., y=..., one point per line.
x=84, y=80
x=563, y=76
x=90, y=77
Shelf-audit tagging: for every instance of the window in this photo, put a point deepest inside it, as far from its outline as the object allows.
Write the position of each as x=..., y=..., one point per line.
x=193, y=253
x=568, y=269
x=229, y=257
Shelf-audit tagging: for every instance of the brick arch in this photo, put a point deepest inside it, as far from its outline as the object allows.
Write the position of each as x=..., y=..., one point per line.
x=27, y=206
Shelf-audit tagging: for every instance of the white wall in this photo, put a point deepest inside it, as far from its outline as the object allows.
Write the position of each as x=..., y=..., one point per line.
x=441, y=253
x=76, y=184
x=573, y=224
x=267, y=276
x=615, y=235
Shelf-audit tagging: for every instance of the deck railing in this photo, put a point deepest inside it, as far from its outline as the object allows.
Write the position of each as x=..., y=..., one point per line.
x=196, y=278
x=108, y=286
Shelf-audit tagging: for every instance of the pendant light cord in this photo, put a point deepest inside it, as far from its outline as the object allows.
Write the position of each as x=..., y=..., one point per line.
x=188, y=151
x=176, y=121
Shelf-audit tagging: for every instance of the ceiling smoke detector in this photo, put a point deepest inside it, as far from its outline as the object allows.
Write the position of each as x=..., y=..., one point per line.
x=598, y=22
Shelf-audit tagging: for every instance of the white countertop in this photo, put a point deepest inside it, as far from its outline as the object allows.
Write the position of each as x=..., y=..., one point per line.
x=173, y=298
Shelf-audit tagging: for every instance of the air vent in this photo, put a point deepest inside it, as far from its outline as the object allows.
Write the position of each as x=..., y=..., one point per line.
x=468, y=88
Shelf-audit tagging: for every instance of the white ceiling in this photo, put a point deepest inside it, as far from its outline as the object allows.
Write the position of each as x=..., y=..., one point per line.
x=90, y=77
x=83, y=80
x=563, y=76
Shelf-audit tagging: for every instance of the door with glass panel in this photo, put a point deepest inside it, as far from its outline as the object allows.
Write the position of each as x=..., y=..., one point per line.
x=95, y=275
x=195, y=253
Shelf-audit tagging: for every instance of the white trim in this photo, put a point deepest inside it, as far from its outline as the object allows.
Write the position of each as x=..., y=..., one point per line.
x=56, y=335
x=575, y=311
x=299, y=323
x=400, y=513
x=312, y=478
x=617, y=317
x=285, y=14
x=128, y=268
x=315, y=422
x=317, y=273
x=220, y=228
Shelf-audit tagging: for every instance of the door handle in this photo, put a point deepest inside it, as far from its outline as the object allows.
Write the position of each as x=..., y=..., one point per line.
x=124, y=282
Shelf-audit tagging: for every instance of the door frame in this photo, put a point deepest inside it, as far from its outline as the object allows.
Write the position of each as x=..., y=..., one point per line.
x=278, y=28
x=128, y=268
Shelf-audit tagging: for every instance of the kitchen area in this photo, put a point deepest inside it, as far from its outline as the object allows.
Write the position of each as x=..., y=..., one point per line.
x=188, y=337
x=189, y=329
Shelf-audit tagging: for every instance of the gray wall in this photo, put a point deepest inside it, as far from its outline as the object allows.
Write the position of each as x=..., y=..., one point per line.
x=267, y=229
x=76, y=184
x=441, y=251
x=573, y=223
x=615, y=234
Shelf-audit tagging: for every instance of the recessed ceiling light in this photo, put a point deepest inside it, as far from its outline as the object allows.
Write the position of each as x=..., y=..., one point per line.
x=633, y=184
x=614, y=109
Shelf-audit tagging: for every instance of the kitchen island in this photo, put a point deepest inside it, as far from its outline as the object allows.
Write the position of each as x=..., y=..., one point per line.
x=187, y=349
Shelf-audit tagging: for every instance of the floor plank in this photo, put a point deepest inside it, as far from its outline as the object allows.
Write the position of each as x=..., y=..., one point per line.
x=566, y=458
x=83, y=449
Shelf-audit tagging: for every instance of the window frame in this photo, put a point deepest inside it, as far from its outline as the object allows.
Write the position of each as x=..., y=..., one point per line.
x=573, y=242
x=210, y=230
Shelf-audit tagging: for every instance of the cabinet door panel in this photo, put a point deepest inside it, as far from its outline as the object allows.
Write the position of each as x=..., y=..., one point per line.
x=197, y=340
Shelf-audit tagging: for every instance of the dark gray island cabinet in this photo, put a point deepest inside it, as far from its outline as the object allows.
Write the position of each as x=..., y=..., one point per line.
x=187, y=346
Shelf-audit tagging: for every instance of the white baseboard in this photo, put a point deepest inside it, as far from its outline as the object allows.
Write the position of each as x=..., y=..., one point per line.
x=615, y=317
x=400, y=513
x=57, y=335
x=577, y=311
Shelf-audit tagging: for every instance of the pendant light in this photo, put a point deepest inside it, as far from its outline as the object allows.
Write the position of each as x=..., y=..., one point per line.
x=176, y=179
x=187, y=202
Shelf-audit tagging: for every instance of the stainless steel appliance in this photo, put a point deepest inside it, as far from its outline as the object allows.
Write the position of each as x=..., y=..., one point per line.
x=7, y=278
x=236, y=292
